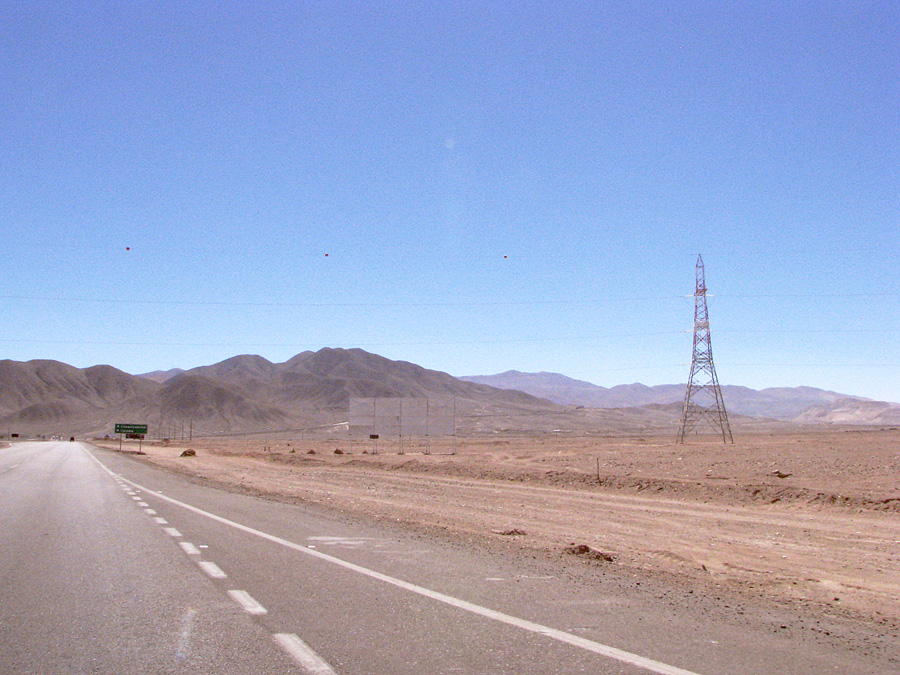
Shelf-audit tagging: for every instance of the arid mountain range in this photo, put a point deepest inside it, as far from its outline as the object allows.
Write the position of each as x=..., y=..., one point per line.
x=249, y=393
x=797, y=404
x=243, y=393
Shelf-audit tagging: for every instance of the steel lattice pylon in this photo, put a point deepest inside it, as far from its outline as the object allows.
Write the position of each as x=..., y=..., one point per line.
x=703, y=396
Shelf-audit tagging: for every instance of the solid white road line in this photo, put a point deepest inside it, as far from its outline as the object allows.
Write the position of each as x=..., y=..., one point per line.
x=212, y=569
x=189, y=548
x=303, y=654
x=246, y=601
x=614, y=653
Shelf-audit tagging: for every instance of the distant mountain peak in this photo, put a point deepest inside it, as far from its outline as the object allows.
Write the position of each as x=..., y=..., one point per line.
x=161, y=376
x=783, y=403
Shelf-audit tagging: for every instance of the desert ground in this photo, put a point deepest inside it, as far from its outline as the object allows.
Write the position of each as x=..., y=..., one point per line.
x=810, y=518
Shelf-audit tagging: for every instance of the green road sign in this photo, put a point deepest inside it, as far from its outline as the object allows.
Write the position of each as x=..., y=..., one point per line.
x=131, y=428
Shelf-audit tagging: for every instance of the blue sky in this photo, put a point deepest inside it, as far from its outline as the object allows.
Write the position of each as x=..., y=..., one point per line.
x=474, y=187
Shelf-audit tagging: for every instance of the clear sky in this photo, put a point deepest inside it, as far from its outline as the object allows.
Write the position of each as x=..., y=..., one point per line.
x=473, y=187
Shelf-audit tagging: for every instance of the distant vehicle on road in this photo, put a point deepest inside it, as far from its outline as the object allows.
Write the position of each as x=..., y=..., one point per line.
x=71, y=438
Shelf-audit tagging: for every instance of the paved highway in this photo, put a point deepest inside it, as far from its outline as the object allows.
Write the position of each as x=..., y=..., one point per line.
x=109, y=565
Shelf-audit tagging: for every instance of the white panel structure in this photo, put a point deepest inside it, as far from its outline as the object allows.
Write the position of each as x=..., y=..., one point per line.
x=441, y=417
x=407, y=417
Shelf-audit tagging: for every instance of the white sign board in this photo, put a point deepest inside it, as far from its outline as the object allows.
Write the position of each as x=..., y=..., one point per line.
x=409, y=417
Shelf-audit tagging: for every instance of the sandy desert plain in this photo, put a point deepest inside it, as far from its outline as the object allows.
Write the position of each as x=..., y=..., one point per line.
x=806, y=518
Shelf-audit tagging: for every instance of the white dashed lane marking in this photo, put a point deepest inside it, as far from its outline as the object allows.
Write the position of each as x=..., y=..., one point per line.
x=159, y=520
x=171, y=531
x=303, y=654
x=309, y=660
x=212, y=569
x=189, y=548
x=246, y=601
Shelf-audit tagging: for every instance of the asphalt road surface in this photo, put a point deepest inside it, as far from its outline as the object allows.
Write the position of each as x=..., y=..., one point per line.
x=109, y=565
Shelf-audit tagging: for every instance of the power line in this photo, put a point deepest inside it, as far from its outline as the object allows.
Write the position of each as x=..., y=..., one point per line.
x=240, y=303
x=127, y=343
x=809, y=330
x=567, y=338
x=454, y=303
x=813, y=365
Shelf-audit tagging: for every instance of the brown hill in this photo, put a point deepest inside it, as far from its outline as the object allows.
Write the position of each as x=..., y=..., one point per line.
x=853, y=411
x=215, y=406
x=243, y=393
x=780, y=403
x=328, y=378
x=161, y=376
x=57, y=397
x=247, y=372
x=339, y=374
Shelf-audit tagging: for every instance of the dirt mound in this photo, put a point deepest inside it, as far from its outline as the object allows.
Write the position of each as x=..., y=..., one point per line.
x=587, y=552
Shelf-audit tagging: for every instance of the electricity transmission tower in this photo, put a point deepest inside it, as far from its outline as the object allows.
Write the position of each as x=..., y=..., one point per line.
x=703, y=396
